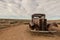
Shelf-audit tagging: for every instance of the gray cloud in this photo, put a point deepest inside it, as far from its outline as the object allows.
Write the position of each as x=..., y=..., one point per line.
x=25, y=8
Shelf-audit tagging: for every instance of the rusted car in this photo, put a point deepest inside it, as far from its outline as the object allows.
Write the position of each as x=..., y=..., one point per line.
x=39, y=24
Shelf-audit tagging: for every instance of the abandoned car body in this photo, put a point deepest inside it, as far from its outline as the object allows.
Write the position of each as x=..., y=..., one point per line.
x=39, y=24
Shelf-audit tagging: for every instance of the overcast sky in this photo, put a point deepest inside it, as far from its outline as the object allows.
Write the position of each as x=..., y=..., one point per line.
x=23, y=9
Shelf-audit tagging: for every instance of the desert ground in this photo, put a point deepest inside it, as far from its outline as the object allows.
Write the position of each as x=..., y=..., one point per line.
x=21, y=32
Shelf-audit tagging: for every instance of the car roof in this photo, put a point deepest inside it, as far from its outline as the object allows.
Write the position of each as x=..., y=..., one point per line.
x=38, y=15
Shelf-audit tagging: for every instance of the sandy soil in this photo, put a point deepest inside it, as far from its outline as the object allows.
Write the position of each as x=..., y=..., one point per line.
x=20, y=33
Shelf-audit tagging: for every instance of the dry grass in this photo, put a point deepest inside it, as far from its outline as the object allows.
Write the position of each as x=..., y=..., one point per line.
x=20, y=32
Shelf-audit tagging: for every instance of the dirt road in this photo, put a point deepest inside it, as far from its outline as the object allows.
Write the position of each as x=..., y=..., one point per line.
x=20, y=33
